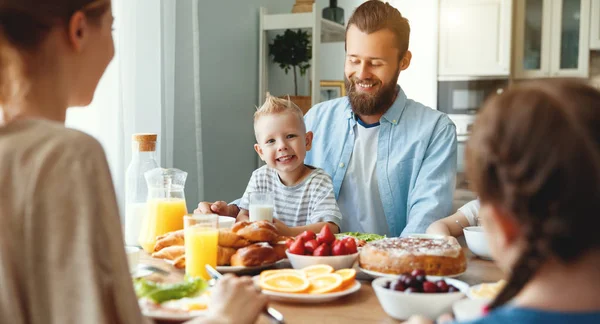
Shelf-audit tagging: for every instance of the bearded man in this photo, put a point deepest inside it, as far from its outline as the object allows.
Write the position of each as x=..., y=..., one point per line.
x=392, y=160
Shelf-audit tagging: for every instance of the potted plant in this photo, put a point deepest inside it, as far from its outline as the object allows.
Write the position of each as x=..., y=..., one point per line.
x=292, y=50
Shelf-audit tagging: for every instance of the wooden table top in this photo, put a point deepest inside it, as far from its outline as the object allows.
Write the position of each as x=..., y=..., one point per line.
x=360, y=307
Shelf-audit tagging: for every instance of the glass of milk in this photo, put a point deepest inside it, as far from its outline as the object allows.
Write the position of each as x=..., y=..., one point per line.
x=261, y=206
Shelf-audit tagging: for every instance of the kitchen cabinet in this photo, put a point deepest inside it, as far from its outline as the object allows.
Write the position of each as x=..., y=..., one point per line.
x=474, y=38
x=551, y=38
x=595, y=25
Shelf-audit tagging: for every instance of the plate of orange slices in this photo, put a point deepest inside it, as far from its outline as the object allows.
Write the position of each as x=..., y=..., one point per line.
x=314, y=284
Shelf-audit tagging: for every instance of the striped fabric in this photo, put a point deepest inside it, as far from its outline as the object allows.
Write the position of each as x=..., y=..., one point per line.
x=308, y=202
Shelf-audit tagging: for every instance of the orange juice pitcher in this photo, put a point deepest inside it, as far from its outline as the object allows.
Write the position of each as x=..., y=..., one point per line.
x=165, y=206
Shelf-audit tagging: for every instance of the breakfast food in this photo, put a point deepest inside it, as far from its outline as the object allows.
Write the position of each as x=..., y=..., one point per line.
x=230, y=239
x=254, y=255
x=237, y=241
x=170, y=252
x=436, y=256
x=316, y=279
x=261, y=231
x=168, y=239
x=416, y=282
x=487, y=290
x=322, y=244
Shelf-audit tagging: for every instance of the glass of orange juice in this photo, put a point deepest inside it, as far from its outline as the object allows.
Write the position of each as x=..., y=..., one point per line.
x=201, y=234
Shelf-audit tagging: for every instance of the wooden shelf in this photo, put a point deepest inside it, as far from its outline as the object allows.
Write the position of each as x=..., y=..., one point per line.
x=330, y=31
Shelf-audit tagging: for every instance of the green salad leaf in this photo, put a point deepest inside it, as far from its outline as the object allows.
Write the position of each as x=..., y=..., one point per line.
x=161, y=292
x=367, y=237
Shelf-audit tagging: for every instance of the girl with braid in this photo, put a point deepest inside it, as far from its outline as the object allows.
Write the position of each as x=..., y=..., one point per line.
x=534, y=160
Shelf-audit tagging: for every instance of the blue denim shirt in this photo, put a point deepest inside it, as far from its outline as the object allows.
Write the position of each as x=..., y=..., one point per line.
x=416, y=162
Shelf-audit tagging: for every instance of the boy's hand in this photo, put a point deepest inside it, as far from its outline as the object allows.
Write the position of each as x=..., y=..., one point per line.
x=218, y=207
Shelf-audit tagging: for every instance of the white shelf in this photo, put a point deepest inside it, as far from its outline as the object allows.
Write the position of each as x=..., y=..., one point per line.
x=330, y=31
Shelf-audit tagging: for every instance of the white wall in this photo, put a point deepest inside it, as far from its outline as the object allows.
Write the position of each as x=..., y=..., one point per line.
x=419, y=81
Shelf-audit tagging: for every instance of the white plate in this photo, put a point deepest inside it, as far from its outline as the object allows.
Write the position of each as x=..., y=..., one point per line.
x=376, y=274
x=237, y=269
x=163, y=315
x=309, y=298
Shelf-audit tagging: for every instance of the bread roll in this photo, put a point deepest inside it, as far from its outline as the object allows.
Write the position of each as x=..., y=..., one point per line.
x=254, y=255
x=261, y=231
x=229, y=239
x=169, y=239
x=280, y=250
x=170, y=253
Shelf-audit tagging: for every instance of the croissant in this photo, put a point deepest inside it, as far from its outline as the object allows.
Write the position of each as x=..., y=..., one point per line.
x=169, y=239
x=261, y=231
x=230, y=239
x=169, y=253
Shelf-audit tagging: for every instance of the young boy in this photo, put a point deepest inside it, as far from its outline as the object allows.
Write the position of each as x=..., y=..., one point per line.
x=303, y=195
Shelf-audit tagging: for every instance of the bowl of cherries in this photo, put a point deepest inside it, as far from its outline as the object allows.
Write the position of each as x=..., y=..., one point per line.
x=418, y=294
x=309, y=249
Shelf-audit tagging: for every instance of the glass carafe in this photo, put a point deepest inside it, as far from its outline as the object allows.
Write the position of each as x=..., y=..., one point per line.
x=165, y=205
x=143, y=158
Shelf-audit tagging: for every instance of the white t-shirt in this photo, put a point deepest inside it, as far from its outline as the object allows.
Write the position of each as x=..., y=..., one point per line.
x=359, y=199
x=471, y=211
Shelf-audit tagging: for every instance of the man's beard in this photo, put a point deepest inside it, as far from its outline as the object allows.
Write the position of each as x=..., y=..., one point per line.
x=366, y=104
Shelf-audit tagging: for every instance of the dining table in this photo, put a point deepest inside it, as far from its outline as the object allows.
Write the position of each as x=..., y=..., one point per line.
x=359, y=307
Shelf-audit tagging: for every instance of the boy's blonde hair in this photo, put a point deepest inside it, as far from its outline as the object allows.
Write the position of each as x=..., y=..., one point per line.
x=275, y=105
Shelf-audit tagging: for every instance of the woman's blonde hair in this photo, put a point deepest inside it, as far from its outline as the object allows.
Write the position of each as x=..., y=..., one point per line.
x=24, y=24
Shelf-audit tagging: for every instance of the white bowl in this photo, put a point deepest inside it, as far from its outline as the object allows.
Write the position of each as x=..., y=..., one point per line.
x=401, y=305
x=477, y=242
x=133, y=257
x=336, y=261
x=226, y=222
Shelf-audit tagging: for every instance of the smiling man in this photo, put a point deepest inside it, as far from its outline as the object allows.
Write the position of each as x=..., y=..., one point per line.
x=392, y=160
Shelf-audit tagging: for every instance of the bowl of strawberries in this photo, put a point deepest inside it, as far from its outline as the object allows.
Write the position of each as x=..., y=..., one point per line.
x=309, y=248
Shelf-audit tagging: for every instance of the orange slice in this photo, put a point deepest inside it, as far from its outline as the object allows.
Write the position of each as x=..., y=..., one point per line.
x=285, y=282
x=317, y=269
x=324, y=283
x=348, y=276
x=268, y=273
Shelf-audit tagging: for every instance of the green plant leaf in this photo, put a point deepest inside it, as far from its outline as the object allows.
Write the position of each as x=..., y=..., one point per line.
x=292, y=49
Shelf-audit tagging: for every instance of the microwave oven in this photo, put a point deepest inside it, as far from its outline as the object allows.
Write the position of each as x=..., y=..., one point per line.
x=465, y=97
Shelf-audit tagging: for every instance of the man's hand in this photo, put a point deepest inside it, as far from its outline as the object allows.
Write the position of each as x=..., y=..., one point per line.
x=218, y=207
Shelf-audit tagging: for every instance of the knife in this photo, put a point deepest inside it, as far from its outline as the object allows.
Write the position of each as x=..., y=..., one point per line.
x=272, y=313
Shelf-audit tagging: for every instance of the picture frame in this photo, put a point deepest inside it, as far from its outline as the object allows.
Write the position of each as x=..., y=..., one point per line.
x=331, y=89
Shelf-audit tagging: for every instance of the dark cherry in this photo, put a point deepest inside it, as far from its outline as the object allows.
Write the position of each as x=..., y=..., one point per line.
x=420, y=278
x=417, y=272
x=429, y=287
x=411, y=282
x=411, y=290
x=442, y=286
x=398, y=286
x=403, y=277
x=452, y=289
x=386, y=285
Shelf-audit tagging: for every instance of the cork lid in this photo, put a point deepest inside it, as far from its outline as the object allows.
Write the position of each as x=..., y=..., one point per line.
x=146, y=141
x=145, y=137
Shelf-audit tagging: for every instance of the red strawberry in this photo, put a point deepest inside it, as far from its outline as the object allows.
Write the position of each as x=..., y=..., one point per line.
x=297, y=247
x=350, y=245
x=310, y=246
x=322, y=250
x=325, y=236
x=307, y=236
x=338, y=248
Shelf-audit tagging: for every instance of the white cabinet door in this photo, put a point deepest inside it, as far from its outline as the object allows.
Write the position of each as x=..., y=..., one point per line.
x=595, y=25
x=475, y=37
x=570, y=53
x=551, y=38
